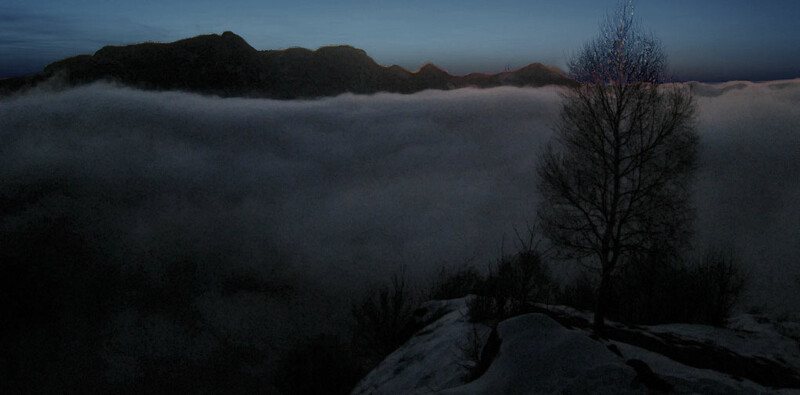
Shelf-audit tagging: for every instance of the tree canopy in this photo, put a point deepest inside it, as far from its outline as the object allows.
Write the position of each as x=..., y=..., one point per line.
x=622, y=53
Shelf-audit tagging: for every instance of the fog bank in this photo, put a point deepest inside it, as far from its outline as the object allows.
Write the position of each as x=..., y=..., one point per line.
x=328, y=195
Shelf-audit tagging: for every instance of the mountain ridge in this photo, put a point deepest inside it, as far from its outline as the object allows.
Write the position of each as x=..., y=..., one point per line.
x=226, y=65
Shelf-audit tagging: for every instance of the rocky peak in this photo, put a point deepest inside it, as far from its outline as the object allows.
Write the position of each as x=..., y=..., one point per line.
x=227, y=65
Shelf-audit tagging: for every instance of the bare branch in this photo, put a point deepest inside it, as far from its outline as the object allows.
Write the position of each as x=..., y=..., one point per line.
x=616, y=182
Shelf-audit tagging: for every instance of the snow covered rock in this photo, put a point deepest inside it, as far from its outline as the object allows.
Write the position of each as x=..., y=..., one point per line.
x=540, y=356
x=432, y=310
x=433, y=359
x=535, y=354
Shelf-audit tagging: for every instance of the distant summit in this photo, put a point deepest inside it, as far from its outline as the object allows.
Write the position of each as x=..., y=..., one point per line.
x=226, y=65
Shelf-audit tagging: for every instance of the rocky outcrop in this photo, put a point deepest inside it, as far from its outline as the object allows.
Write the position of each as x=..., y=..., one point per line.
x=555, y=351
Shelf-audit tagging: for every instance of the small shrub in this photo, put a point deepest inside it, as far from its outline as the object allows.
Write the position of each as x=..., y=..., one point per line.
x=484, y=308
x=721, y=281
x=384, y=318
x=524, y=278
x=512, y=284
x=454, y=284
x=654, y=290
x=659, y=290
x=580, y=293
x=471, y=348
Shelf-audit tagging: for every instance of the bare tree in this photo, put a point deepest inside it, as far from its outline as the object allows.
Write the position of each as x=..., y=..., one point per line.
x=615, y=183
x=621, y=54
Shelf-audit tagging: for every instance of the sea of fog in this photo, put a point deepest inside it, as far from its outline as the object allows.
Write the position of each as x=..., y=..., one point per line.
x=327, y=197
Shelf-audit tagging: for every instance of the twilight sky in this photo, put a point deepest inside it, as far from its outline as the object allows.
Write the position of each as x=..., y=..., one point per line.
x=706, y=40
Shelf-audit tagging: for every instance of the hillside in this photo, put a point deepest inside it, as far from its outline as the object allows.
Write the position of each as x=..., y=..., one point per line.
x=226, y=65
x=554, y=352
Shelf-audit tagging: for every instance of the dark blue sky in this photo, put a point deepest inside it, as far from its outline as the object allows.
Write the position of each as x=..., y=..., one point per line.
x=707, y=40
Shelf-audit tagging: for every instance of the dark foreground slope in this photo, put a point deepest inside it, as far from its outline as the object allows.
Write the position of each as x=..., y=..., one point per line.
x=553, y=350
x=227, y=65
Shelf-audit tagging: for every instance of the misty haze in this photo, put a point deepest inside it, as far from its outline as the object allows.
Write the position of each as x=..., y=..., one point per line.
x=319, y=200
x=378, y=198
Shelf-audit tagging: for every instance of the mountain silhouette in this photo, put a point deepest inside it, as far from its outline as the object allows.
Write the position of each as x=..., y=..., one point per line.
x=226, y=65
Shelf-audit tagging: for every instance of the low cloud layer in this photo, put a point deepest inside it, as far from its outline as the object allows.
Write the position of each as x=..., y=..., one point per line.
x=748, y=185
x=347, y=187
x=342, y=191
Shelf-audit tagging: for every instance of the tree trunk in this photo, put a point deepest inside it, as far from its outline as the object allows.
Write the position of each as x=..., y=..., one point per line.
x=603, y=296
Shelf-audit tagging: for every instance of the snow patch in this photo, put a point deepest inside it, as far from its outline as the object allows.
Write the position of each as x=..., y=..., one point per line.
x=539, y=356
x=746, y=336
x=433, y=359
